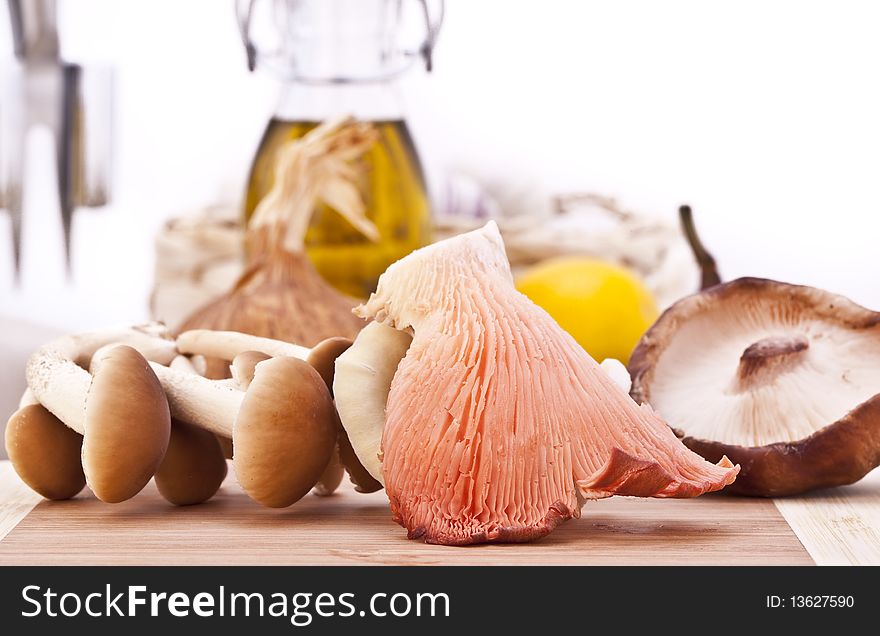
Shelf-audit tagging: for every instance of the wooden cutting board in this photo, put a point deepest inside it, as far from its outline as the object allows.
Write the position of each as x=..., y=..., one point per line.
x=839, y=526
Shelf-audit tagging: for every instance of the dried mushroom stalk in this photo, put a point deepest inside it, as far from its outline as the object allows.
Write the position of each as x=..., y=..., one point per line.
x=281, y=295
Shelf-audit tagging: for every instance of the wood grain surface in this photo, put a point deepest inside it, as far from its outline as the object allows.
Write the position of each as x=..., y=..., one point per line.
x=16, y=499
x=838, y=526
x=350, y=529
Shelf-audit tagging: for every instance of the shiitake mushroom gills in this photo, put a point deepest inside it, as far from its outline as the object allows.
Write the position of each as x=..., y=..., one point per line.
x=498, y=425
x=781, y=378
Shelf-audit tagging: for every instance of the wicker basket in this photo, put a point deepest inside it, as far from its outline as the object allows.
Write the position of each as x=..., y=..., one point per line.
x=200, y=256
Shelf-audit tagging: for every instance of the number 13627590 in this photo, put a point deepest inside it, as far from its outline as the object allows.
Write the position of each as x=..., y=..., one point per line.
x=810, y=600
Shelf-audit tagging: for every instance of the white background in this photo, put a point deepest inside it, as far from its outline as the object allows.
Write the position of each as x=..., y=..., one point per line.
x=765, y=116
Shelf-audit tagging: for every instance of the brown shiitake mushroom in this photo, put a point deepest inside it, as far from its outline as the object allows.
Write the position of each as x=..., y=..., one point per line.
x=783, y=379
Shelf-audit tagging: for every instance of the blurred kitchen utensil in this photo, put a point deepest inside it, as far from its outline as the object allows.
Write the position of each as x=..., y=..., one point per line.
x=74, y=103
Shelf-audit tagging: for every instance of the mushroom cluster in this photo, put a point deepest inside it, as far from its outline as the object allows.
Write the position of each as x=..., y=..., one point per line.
x=482, y=418
x=783, y=379
x=114, y=409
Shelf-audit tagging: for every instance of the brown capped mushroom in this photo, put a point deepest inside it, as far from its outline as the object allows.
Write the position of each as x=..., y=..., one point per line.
x=228, y=345
x=45, y=453
x=283, y=426
x=783, y=379
x=330, y=479
x=194, y=465
x=119, y=409
x=244, y=366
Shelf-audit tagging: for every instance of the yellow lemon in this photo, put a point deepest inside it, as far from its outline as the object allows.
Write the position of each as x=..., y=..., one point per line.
x=606, y=308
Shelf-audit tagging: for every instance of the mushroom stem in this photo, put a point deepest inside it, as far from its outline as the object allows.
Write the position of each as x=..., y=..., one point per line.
x=184, y=364
x=765, y=360
x=228, y=344
x=61, y=386
x=209, y=404
x=709, y=276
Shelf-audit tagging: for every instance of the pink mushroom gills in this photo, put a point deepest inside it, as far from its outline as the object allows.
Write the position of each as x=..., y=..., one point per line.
x=783, y=379
x=494, y=425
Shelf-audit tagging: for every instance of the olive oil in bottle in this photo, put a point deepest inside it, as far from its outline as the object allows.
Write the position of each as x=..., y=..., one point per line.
x=394, y=193
x=339, y=58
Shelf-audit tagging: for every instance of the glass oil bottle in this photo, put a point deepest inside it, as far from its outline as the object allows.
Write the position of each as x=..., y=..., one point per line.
x=340, y=57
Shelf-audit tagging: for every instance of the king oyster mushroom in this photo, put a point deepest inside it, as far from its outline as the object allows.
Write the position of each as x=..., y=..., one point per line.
x=783, y=379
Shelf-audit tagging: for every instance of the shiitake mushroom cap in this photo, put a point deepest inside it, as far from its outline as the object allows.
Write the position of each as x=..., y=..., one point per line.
x=789, y=322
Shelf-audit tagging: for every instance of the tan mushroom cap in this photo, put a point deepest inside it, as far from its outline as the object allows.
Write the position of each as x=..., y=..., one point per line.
x=244, y=366
x=193, y=467
x=284, y=433
x=323, y=357
x=330, y=479
x=780, y=378
x=127, y=426
x=45, y=453
x=361, y=478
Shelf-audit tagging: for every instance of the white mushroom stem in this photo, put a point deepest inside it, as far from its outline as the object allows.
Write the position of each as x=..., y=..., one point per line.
x=617, y=372
x=57, y=376
x=228, y=344
x=209, y=404
x=765, y=360
x=198, y=363
x=184, y=364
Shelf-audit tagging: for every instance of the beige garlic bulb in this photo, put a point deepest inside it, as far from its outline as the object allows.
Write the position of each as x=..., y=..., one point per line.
x=281, y=295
